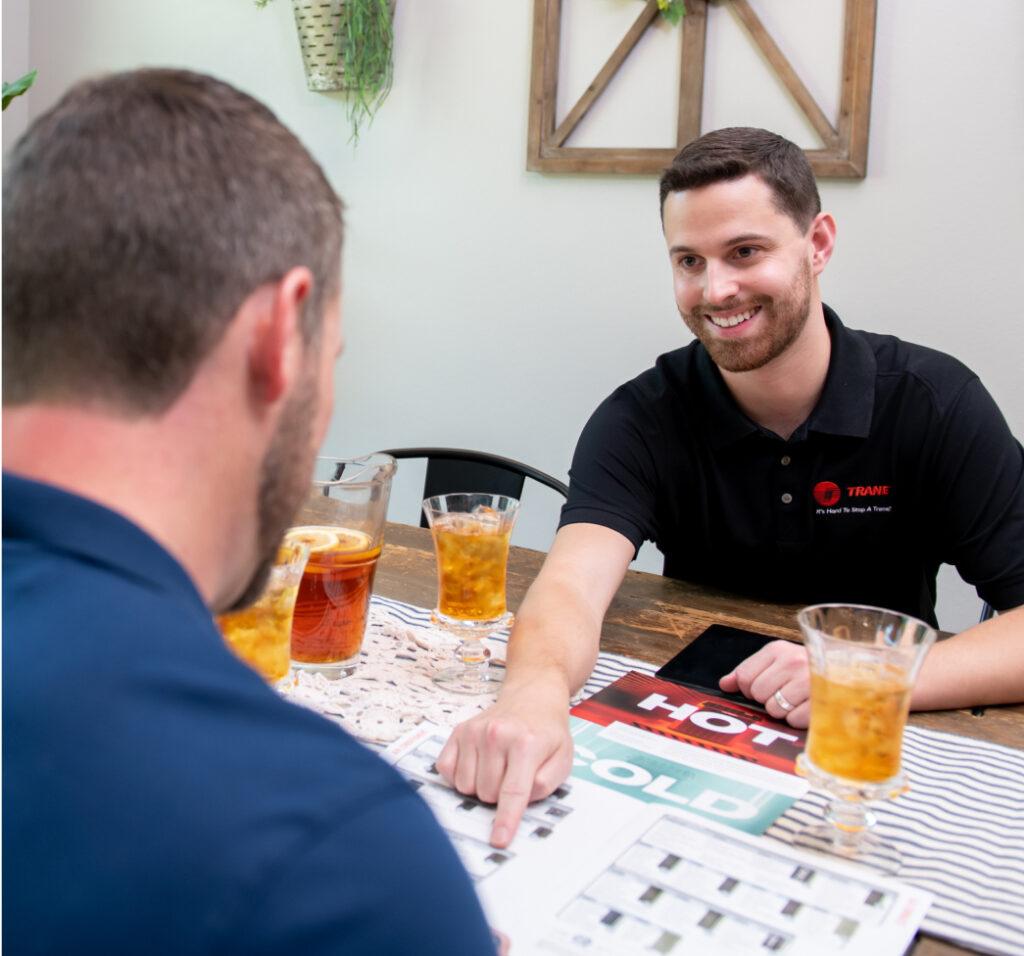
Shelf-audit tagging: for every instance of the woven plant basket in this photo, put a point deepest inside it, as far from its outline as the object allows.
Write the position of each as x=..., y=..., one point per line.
x=317, y=23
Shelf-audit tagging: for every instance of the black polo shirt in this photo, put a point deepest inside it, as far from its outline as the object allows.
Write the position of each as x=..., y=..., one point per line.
x=904, y=464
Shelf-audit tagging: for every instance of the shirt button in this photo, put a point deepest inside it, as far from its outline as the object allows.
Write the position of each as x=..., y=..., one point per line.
x=785, y=460
x=787, y=498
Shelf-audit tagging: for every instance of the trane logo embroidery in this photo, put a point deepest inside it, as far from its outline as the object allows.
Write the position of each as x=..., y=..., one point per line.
x=866, y=491
x=827, y=493
x=831, y=499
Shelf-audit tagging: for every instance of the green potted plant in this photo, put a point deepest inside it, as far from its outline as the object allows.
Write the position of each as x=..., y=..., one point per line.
x=346, y=45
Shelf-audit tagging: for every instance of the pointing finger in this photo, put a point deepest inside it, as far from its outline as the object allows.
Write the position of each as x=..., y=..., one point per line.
x=514, y=794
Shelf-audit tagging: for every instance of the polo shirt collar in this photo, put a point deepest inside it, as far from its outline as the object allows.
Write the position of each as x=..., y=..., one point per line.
x=847, y=401
x=845, y=407
x=726, y=422
x=59, y=520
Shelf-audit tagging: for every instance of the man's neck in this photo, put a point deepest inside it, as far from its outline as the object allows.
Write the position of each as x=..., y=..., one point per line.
x=781, y=395
x=155, y=472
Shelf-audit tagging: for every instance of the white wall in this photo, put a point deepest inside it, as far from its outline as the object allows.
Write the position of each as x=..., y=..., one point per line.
x=15, y=64
x=493, y=308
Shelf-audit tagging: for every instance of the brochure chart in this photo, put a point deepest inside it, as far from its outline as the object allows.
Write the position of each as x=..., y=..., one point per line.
x=682, y=886
x=595, y=871
x=466, y=820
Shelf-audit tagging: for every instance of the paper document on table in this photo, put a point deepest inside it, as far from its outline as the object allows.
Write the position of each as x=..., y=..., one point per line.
x=593, y=871
x=695, y=717
x=654, y=769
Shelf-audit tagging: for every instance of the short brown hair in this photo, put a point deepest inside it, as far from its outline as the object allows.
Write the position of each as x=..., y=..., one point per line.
x=139, y=213
x=739, y=151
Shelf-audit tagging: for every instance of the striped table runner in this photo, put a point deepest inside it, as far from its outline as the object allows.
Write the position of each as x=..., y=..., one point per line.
x=960, y=828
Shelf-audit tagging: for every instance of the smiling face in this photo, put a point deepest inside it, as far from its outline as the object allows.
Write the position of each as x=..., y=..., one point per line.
x=743, y=271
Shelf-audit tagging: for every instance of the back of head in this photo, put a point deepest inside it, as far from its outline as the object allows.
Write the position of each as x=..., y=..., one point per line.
x=139, y=213
x=738, y=151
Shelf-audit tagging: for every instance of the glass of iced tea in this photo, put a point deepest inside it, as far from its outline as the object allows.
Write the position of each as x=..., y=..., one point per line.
x=471, y=537
x=342, y=524
x=863, y=663
x=261, y=633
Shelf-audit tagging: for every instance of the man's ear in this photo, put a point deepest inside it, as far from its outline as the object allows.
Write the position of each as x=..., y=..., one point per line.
x=275, y=348
x=823, y=241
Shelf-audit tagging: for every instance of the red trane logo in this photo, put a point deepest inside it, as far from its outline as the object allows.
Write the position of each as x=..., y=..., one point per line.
x=867, y=491
x=826, y=493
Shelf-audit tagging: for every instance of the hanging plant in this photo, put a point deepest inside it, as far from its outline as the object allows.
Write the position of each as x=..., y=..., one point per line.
x=672, y=10
x=347, y=45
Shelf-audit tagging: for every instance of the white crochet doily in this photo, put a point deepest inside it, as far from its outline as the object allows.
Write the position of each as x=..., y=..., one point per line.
x=392, y=688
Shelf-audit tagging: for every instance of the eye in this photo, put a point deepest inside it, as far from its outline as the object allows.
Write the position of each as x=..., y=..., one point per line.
x=688, y=262
x=745, y=252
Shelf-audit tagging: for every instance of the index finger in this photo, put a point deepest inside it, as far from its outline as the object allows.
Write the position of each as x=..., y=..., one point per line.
x=514, y=794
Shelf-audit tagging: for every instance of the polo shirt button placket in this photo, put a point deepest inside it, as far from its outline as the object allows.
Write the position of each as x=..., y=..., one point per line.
x=786, y=496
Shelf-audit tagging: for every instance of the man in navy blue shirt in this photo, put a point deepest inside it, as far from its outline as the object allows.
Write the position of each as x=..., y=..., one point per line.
x=170, y=321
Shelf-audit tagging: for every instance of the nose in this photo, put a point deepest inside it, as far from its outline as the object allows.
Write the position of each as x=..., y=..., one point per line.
x=720, y=283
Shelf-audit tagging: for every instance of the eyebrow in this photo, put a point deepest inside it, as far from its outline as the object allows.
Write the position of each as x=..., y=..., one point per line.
x=734, y=241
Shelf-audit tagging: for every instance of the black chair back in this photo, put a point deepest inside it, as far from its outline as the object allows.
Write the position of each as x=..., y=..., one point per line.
x=462, y=469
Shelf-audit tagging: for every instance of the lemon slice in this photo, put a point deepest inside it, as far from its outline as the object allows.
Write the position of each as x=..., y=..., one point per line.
x=316, y=538
x=351, y=541
x=321, y=539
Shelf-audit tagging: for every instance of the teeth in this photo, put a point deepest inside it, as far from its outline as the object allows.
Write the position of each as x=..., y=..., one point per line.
x=728, y=323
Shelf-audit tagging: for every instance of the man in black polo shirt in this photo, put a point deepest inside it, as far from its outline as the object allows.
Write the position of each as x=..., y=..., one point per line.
x=781, y=455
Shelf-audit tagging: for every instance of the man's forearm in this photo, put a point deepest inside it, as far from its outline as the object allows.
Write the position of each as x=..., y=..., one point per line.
x=982, y=665
x=555, y=639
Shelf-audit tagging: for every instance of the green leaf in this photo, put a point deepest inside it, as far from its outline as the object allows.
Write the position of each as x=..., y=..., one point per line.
x=365, y=41
x=19, y=86
x=675, y=11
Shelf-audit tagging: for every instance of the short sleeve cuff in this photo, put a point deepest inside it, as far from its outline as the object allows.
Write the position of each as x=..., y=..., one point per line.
x=606, y=519
x=1004, y=597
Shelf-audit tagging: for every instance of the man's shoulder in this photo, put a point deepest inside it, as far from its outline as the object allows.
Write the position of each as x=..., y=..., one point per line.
x=137, y=664
x=924, y=376
x=665, y=382
x=937, y=374
x=180, y=755
x=151, y=668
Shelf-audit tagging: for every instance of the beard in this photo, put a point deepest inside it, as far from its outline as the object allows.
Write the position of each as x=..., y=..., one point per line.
x=284, y=482
x=782, y=321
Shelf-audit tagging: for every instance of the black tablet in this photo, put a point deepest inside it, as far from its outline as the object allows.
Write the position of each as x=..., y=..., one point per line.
x=712, y=655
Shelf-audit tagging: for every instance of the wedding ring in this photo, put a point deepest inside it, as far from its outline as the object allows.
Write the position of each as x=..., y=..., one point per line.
x=782, y=702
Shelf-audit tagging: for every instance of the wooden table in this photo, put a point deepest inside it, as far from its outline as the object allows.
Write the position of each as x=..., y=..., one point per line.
x=652, y=618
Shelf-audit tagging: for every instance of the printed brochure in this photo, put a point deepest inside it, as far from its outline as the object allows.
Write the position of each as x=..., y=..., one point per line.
x=594, y=872
x=696, y=717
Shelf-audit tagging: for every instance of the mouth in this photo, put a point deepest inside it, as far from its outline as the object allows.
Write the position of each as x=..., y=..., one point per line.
x=729, y=320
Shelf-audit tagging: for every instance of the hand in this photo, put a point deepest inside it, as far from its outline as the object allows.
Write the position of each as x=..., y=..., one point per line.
x=516, y=751
x=778, y=668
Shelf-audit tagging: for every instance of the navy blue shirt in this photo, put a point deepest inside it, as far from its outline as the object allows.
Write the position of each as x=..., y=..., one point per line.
x=905, y=463
x=158, y=798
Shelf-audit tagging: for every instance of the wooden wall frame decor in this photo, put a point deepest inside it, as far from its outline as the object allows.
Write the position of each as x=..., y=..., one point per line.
x=845, y=150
